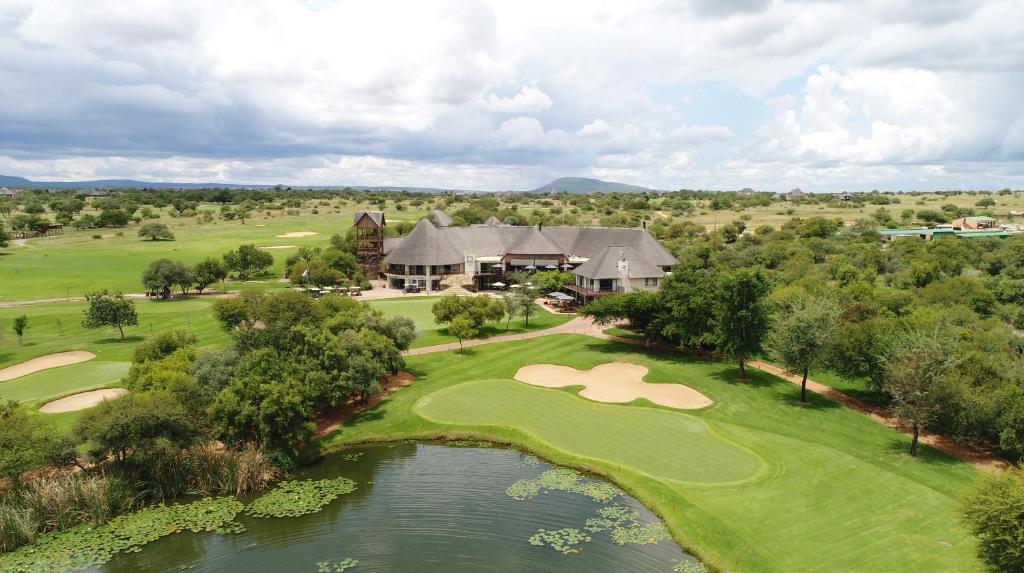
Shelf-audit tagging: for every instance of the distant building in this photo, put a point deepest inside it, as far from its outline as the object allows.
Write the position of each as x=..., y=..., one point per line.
x=5, y=192
x=846, y=196
x=605, y=260
x=940, y=232
x=794, y=194
x=969, y=223
x=745, y=192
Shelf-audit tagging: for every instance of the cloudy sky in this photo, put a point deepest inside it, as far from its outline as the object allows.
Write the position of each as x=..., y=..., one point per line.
x=886, y=94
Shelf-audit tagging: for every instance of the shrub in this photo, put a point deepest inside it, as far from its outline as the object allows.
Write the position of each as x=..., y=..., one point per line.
x=995, y=513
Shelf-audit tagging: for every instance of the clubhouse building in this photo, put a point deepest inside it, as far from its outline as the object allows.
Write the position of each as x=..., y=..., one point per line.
x=605, y=260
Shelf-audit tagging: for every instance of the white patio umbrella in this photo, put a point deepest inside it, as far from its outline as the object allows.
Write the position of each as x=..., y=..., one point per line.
x=499, y=285
x=552, y=267
x=516, y=286
x=530, y=268
x=496, y=266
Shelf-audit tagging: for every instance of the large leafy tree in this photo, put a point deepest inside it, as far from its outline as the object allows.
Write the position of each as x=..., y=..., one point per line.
x=801, y=335
x=163, y=275
x=136, y=424
x=688, y=306
x=110, y=310
x=994, y=511
x=28, y=442
x=643, y=310
x=248, y=260
x=156, y=232
x=918, y=364
x=476, y=309
x=207, y=272
x=741, y=315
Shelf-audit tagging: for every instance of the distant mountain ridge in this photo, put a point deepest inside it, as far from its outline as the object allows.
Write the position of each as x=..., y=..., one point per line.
x=585, y=185
x=561, y=185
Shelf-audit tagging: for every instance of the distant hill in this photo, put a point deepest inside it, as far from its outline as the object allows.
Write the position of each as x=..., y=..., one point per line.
x=584, y=185
x=10, y=181
x=560, y=185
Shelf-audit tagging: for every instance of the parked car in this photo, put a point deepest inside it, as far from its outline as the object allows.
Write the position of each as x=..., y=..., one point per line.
x=411, y=288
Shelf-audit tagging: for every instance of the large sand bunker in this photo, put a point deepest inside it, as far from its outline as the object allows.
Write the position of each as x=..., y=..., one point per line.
x=616, y=382
x=268, y=247
x=81, y=401
x=295, y=234
x=44, y=362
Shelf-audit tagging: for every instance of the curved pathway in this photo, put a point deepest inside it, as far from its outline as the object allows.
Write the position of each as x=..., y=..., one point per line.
x=586, y=326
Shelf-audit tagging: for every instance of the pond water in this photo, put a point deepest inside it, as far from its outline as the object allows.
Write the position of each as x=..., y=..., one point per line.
x=418, y=507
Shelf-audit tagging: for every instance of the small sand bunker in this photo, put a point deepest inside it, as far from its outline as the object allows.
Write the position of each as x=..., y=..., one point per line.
x=81, y=401
x=43, y=363
x=269, y=247
x=295, y=234
x=616, y=382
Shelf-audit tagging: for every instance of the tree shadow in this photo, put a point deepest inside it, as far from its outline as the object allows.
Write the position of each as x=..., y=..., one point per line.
x=117, y=339
x=925, y=453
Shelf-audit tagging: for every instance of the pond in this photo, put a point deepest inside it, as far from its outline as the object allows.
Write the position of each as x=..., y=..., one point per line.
x=432, y=507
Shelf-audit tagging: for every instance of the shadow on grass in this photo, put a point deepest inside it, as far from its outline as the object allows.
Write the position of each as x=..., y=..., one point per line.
x=117, y=339
x=925, y=454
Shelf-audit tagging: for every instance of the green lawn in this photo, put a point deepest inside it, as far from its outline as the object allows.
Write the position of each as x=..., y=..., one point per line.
x=76, y=263
x=430, y=333
x=623, y=333
x=54, y=383
x=755, y=482
x=57, y=327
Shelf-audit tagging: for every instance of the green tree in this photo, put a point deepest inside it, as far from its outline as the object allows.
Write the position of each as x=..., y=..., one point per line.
x=315, y=272
x=164, y=344
x=20, y=326
x=994, y=512
x=28, y=442
x=136, y=424
x=801, y=335
x=918, y=364
x=156, y=232
x=477, y=309
x=741, y=316
x=4, y=235
x=462, y=328
x=688, y=306
x=248, y=260
x=163, y=275
x=207, y=272
x=643, y=310
x=110, y=310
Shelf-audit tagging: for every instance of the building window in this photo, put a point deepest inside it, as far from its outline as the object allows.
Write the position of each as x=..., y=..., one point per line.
x=651, y=282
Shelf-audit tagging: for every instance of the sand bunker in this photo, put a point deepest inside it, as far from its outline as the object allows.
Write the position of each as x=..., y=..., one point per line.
x=269, y=247
x=616, y=382
x=44, y=362
x=81, y=401
x=295, y=234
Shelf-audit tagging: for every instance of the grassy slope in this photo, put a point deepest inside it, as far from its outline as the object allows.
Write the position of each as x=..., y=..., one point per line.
x=836, y=494
x=76, y=263
x=430, y=333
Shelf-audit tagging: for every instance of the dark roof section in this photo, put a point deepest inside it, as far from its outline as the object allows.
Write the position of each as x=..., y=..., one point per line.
x=426, y=245
x=376, y=216
x=605, y=265
x=449, y=245
x=440, y=218
x=534, y=242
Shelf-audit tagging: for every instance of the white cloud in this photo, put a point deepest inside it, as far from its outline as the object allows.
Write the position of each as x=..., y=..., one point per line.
x=529, y=100
x=668, y=94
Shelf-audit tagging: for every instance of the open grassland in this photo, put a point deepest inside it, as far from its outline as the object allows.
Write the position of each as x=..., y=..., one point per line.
x=429, y=332
x=57, y=327
x=755, y=482
x=76, y=263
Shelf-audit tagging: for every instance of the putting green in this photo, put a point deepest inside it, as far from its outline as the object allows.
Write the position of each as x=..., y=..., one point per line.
x=57, y=382
x=660, y=443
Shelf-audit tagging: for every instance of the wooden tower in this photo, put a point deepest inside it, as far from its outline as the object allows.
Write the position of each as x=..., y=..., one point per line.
x=370, y=241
